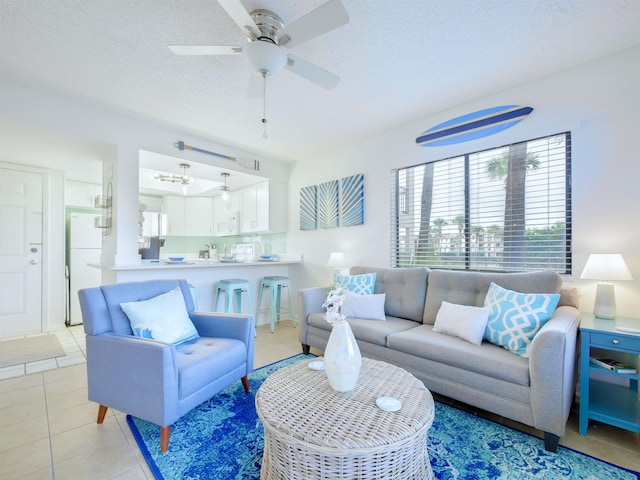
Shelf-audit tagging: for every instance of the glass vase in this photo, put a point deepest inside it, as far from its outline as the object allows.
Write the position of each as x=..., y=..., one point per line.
x=342, y=359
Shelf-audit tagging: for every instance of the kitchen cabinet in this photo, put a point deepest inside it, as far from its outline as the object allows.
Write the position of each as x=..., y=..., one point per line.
x=173, y=206
x=81, y=194
x=226, y=215
x=189, y=216
x=264, y=208
x=198, y=216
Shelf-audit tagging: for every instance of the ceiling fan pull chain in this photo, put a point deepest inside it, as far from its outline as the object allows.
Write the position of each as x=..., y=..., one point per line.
x=264, y=105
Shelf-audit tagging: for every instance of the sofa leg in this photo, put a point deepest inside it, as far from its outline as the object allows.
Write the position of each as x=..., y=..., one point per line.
x=245, y=383
x=164, y=438
x=551, y=442
x=306, y=349
x=102, y=411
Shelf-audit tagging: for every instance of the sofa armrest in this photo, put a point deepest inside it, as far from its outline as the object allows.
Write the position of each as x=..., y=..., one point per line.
x=310, y=301
x=224, y=325
x=133, y=375
x=553, y=370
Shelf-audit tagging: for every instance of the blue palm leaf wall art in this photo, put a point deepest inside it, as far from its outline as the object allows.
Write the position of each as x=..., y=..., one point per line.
x=308, y=208
x=352, y=201
x=328, y=204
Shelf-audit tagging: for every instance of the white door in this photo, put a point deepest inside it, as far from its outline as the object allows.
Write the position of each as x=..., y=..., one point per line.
x=20, y=252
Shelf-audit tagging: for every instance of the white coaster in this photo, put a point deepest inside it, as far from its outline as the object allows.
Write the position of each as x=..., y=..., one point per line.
x=316, y=365
x=389, y=404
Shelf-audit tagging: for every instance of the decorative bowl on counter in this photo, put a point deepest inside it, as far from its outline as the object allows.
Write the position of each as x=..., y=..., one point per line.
x=176, y=259
x=267, y=257
x=227, y=258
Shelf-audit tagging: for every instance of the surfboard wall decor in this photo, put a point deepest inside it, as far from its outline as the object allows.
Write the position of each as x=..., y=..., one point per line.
x=473, y=125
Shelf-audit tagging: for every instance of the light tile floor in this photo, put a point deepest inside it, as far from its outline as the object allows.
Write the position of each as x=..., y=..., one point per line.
x=48, y=427
x=71, y=340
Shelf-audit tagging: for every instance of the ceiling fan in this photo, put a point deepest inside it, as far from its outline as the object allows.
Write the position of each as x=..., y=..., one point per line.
x=268, y=37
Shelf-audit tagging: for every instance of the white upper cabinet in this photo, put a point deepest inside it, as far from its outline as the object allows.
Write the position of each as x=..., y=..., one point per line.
x=173, y=206
x=226, y=215
x=198, y=216
x=189, y=216
x=81, y=194
x=264, y=208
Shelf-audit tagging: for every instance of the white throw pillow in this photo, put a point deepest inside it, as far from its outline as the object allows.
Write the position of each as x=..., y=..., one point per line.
x=462, y=321
x=370, y=307
x=164, y=318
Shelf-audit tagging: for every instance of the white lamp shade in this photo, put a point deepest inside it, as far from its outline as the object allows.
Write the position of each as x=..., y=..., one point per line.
x=336, y=259
x=606, y=266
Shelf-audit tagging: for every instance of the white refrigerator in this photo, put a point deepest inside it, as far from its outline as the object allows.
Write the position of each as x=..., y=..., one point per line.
x=85, y=246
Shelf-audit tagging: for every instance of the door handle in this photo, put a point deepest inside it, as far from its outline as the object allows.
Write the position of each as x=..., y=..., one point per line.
x=33, y=262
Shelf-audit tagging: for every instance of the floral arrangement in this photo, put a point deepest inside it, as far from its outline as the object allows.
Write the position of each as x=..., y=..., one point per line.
x=333, y=304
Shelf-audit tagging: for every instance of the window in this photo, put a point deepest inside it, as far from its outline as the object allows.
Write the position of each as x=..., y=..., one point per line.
x=505, y=209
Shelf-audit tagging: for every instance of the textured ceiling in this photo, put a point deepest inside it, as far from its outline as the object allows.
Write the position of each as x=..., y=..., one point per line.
x=398, y=60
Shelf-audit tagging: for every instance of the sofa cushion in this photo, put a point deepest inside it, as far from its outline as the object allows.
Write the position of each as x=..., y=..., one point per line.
x=486, y=359
x=470, y=288
x=405, y=289
x=366, y=330
x=516, y=317
x=362, y=284
x=196, y=361
x=462, y=321
x=163, y=318
x=364, y=306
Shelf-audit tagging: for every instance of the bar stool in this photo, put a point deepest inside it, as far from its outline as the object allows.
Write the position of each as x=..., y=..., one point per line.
x=232, y=288
x=276, y=284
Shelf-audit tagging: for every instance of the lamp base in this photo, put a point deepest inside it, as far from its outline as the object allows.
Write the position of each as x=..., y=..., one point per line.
x=605, y=305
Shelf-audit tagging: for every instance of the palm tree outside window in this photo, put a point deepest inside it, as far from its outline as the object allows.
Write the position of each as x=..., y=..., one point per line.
x=502, y=209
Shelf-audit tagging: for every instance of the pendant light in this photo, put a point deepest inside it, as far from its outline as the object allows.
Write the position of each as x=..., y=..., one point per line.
x=224, y=190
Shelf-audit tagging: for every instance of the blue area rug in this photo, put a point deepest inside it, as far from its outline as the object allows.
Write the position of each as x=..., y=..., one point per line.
x=222, y=439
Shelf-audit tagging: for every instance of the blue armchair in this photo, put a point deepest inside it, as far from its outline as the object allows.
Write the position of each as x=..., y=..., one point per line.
x=159, y=382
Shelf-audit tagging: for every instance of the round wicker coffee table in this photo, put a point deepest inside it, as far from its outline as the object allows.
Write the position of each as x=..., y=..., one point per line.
x=313, y=432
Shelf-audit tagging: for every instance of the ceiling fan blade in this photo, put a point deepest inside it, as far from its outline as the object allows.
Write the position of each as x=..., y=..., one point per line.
x=323, y=19
x=240, y=16
x=312, y=72
x=205, y=49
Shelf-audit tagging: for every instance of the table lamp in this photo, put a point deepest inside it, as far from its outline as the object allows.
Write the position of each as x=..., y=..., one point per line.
x=606, y=267
x=336, y=260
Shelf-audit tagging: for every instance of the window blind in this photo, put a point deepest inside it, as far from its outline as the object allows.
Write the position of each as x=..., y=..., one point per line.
x=504, y=209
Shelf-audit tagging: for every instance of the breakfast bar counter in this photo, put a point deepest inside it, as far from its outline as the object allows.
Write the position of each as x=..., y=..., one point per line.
x=203, y=275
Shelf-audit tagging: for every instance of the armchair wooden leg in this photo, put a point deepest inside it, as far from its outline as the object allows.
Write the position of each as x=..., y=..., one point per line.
x=164, y=438
x=245, y=383
x=102, y=411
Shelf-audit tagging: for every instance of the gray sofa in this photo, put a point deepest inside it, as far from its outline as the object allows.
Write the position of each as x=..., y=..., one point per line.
x=536, y=391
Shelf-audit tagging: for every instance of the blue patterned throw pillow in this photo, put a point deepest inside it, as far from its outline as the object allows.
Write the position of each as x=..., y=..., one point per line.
x=515, y=318
x=164, y=318
x=361, y=284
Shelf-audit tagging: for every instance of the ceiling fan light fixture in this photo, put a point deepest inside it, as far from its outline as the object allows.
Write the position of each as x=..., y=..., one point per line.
x=264, y=56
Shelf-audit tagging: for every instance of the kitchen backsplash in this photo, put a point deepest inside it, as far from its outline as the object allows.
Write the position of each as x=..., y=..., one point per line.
x=270, y=242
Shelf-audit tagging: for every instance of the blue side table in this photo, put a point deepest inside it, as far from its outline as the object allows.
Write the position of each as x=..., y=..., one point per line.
x=602, y=401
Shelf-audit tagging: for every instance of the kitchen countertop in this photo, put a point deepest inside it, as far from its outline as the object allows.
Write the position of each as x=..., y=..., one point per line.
x=164, y=264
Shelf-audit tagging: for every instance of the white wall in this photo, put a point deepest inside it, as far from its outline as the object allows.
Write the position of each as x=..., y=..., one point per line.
x=120, y=139
x=597, y=102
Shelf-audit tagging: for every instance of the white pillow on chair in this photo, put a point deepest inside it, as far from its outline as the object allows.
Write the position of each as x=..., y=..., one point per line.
x=164, y=318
